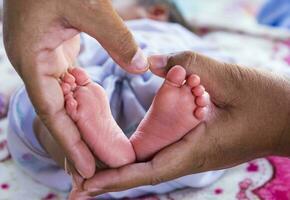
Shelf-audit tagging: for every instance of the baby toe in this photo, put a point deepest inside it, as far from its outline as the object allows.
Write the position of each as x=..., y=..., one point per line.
x=68, y=78
x=80, y=75
x=198, y=91
x=203, y=100
x=68, y=96
x=176, y=76
x=193, y=81
x=73, y=86
x=200, y=113
x=71, y=107
x=66, y=88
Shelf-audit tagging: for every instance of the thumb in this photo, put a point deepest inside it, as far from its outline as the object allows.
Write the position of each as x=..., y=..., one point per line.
x=221, y=80
x=100, y=20
x=77, y=191
x=174, y=161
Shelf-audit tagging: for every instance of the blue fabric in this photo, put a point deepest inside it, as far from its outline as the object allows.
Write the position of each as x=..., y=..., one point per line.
x=275, y=13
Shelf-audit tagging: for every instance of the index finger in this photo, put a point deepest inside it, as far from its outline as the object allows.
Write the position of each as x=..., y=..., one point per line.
x=67, y=136
x=100, y=20
x=49, y=104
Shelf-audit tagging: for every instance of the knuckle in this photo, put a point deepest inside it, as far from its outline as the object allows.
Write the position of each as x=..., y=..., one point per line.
x=190, y=58
x=236, y=75
x=95, y=5
x=235, y=72
x=155, y=176
x=189, y=54
x=157, y=180
x=185, y=59
x=46, y=110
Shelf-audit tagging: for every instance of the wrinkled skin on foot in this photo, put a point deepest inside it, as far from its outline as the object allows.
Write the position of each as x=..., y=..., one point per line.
x=179, y=101
x=87, y=104
x=154, y=132
x=42, y=41
x=249, y=118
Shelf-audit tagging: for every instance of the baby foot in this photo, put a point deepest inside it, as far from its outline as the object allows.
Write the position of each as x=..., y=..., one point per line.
x=87, y=104
x=177, y=108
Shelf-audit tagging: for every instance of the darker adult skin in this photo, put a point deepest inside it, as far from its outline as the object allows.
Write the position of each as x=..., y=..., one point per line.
x=42, y=41
x=249, y=118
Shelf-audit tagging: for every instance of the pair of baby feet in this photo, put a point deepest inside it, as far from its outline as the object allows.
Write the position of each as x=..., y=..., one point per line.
x=178, y=107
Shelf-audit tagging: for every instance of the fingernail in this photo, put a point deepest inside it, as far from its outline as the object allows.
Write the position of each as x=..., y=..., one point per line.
x=140, y=61
x=80, y=173
x=94, y=190
x=93, y=185
x=158, y=61
x=69, y=169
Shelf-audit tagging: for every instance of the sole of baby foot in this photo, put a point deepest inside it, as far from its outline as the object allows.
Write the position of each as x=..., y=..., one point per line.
x=177, y=108
x=87, y=104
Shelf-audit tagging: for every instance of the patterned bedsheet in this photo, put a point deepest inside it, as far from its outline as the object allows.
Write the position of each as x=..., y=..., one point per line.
x=265, y=178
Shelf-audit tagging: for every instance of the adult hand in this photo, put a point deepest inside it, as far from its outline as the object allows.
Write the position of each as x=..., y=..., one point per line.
x=42, y=41
x=249, y=118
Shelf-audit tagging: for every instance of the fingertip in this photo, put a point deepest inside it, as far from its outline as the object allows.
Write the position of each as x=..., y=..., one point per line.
x=139, y=63
x=81, y=163
x=158, y=65
x=86, y=170
x=158, y=61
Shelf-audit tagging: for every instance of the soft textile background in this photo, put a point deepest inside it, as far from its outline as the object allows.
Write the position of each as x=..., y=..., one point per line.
x=231, y=26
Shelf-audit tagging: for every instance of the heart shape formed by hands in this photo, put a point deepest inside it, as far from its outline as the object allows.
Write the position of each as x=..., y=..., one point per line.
x=167, y=121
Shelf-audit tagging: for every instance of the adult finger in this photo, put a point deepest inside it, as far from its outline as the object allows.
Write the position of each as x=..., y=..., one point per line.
x=100, y=20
